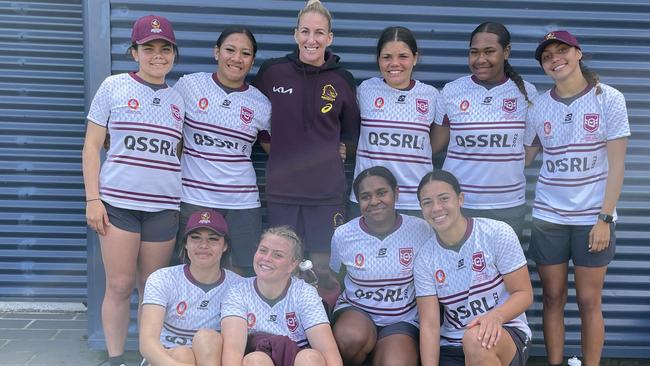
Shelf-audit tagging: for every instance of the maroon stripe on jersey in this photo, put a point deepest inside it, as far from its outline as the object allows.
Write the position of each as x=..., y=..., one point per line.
x=128, y=157
x=407, y=189
x=398, y=122
x=179, y=331
x=491, y=124
x=220, y=185
x=172, y=198
x=137, y=197
x=586, y=212
x=427, y=129
x=573, y=148
x=375, y=155
x=452, y=340
x=452, y=156
x=486, y=191
x=381, y=281
x=456, y=323
x=214, y=154
x=224, y=158
x=177, y=133
x=202, y=126
x=382, y=284
x=463, y=295
x=118, y=161
x=580, y=181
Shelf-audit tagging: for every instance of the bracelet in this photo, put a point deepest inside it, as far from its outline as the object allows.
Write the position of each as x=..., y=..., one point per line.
x=94, y=199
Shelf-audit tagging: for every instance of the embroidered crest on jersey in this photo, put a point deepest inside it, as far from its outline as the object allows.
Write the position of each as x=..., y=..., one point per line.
x=203, y=103
x=250, y=320
x=292, y=321
x=406, y=256
x=591, y=122
x=246, y=115
x=509, y=105
x=133, y=104
x=422, y=106
x=547, y=128
x=464, y=105
x=181, y=307
x=379, y=102
x=478, y=262
x=176, y=112
x=329, y=93
x=155, y=26
x=359, y=260
x=440, y=276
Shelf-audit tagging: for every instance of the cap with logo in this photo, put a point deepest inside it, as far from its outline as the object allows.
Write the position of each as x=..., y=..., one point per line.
x=207, y=219
x=561, y=36
x=151, y=27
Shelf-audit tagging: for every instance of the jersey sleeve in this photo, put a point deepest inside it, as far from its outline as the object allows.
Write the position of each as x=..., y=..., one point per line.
x=234, y=302
x=335, y=259
x=100, y=107
x=312, y=311
x=181, y=87
x=423, y=269
x=509, y=256
x=441, y=110
x=616, y=118
x=530, y=132
x=157, y=289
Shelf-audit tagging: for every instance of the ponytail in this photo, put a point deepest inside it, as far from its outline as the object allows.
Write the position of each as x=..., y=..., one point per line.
x=514, y=76
x=591, y=77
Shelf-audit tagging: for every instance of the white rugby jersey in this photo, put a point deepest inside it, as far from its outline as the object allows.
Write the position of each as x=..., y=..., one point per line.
x=469, y=282
x=219, y=133
x=485, y=151
x=571, y=184
x=395, y=127
x=299, y=309
x=188, y=306
x=142, y=170
x=379, y=278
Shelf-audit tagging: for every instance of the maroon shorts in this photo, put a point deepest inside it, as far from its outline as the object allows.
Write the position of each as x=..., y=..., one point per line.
x=314, y=224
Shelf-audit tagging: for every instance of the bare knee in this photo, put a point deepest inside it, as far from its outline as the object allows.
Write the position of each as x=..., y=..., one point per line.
x=555, y=299
x=182, y=354
x=309, y=357
x=350, y=340
x=120, y=287
x=472, y=347
x=257, y=359
x=207, y=339
x=588, y=303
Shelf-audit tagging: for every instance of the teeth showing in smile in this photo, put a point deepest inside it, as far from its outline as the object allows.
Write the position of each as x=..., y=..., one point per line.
x=559, y=67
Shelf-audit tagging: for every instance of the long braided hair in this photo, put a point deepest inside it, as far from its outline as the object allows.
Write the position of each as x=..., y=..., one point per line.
x=504, y=40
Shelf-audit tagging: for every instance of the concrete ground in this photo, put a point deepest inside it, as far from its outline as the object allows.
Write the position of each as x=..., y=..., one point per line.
x=57, y=335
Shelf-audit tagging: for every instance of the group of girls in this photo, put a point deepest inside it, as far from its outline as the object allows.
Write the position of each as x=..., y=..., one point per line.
x=449, y=289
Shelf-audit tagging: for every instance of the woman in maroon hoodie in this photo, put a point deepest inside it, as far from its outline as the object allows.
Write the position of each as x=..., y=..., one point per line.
x=314, y=109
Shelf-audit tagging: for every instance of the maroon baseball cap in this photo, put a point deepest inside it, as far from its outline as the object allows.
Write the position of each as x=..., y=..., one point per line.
x=207, y=219
x=152, y=27
x=561, y=36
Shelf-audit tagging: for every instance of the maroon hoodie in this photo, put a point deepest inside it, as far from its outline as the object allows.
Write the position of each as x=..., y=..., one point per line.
x=314, y=108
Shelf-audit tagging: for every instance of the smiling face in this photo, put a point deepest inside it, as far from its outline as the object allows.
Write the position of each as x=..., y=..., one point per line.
x=441, y=206
x=274, y=259
x=561, y=61
x=235, y=58
x=205, y=247
x=396, y=62
x=156, y=59
x=313, y=37
x=377, y=202
x=487, y=57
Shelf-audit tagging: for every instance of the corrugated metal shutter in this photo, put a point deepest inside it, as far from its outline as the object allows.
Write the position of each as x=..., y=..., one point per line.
x=615, y=34
x=42, y=224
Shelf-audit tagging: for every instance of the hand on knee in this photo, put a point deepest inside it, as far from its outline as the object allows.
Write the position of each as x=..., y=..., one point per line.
x=473, y=347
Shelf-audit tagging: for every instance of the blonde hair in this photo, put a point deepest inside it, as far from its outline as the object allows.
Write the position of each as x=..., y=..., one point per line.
x=285, y=232
x=317, y=7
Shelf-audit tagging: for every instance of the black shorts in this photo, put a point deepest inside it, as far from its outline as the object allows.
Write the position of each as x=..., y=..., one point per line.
x=513, y=216
x=314, y=224
x=552, y=243
x=454, y=356
x=386, y=330
x=244, y=227
x=157, y=226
